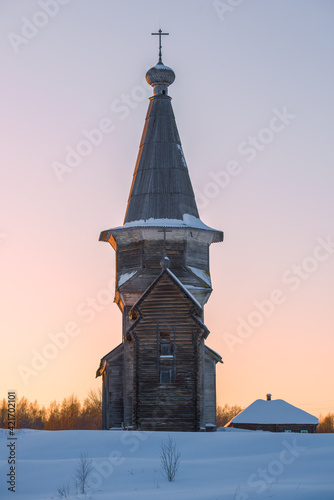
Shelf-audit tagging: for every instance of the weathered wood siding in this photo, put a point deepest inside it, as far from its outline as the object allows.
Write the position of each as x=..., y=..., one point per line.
x=154, y=250
x=129, y=258
x=175, y=405
x=184, y=247
x=128, y=383
x=197, y=253
x=114, y=389
x=210, y=389
x=105, y=414
x=311, y=428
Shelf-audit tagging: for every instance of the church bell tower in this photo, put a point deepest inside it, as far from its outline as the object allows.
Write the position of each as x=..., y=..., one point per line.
x=162, y=375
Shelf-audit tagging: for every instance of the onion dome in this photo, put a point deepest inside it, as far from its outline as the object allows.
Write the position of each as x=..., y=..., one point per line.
x=160, y=75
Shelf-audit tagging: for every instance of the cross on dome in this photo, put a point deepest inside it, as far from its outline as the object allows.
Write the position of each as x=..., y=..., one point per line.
x=160, y=34
x=160, y=76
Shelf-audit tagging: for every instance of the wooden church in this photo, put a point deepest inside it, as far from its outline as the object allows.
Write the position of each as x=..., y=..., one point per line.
x=162, y=376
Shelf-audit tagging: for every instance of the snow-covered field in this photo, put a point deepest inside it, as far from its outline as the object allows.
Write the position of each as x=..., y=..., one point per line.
x=235, y=465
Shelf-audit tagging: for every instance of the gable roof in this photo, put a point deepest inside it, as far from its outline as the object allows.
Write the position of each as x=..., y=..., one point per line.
x=184, y=289
x=275, y=411
x=179, y=285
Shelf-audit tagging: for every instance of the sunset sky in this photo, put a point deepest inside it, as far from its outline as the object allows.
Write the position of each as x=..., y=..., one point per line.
x=253, y=101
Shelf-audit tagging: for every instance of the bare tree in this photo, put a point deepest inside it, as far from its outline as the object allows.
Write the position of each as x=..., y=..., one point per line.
x=70, y=413
x=53, y=420
x=170, y=458
x=91, y=412
x=3, y=414
x=64, y=491
x=82, y=471
x=226, y=413
x=326, y=424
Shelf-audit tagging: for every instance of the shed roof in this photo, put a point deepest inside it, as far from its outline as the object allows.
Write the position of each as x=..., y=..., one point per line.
x=107, y=357
x=275, y=411
x=214, y=354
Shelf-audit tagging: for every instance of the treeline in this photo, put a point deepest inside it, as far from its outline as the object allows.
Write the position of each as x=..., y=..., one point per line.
x=70, y=414
x=67, y=415
x=226, y=413
x=326, y=424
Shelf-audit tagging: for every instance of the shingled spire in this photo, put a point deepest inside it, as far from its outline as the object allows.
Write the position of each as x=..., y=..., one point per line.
x=161, y=187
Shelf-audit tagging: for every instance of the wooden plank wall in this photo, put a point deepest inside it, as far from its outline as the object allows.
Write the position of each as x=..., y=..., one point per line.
x=128, y=388
x=115, y=390
x=175, y=405
x=277, y=427
x=210, y=390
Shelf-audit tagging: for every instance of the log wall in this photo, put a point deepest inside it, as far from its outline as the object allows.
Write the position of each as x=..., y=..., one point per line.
x=166, y=313
x=114, y=389
x=277, y=427
x=210, y=390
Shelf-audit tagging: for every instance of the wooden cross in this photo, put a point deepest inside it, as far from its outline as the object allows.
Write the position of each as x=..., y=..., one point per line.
x=165, y=230
x=160, y=33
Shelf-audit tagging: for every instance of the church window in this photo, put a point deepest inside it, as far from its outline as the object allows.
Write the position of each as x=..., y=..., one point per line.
x=166, y=361
x=165, y=349
x=165, y=344
x=165, y=376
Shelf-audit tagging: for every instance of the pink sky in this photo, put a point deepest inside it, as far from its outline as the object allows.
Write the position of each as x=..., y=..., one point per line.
x=253, y=87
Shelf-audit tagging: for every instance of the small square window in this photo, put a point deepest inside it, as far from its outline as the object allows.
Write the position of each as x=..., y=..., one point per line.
x=165, y=376
x=165, y=349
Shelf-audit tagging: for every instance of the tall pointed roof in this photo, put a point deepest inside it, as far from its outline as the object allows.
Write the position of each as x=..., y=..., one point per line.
x=161, y=186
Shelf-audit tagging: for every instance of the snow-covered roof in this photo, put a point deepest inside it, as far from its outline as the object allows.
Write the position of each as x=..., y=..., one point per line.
x=125, y=277
x=186, y=221
x=184, y=289
x=201, y=274
x=275, y=411
x=178, y=284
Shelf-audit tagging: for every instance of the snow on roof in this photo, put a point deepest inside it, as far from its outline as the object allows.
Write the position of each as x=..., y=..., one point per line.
x=276, y=411
x=125, y=277
x=179, y=147
x=181, y=285
x=177, y=282
x=188, y=221
x=201, y=274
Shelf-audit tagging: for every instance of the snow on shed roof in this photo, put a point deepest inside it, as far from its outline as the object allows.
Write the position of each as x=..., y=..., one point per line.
x=275, y=411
